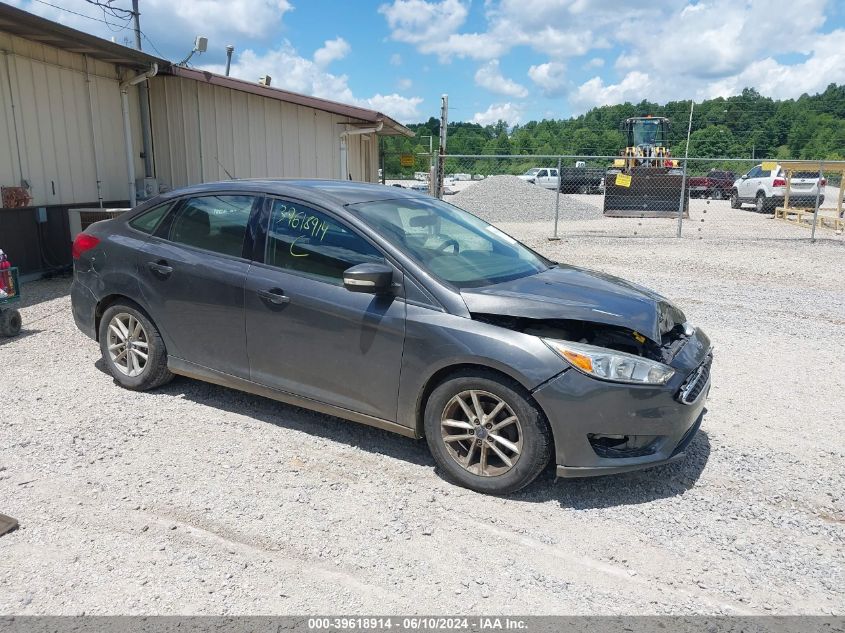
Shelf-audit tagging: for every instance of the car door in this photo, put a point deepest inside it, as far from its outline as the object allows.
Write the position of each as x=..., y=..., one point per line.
x=307, y=334
x=748, y=186
x=550, y=181
x=192, y=273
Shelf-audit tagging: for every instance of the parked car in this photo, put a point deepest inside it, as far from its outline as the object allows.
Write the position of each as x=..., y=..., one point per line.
x=766, y=189
x=395, y=309
x=717, y=184
x=543, y=176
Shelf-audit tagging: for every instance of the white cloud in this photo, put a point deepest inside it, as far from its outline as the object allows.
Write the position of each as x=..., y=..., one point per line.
x=396, y=59
x=665, y=49
x=296, y=73
x=404, y=109
x=490, y=77
x=551, y=77
x=634, y=87
x=332, y=50
x=510, y=112
x=404, y=83
x=825, y=65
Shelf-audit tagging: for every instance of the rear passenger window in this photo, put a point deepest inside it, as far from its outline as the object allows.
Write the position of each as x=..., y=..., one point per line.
x=148, y=220
x=212, y=223
x=310, y=242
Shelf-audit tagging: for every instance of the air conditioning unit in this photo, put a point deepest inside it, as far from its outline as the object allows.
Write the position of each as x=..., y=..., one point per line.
x=146, y=188
x=81, y=219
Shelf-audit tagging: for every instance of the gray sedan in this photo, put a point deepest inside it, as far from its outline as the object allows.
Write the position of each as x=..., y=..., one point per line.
x=394, y=309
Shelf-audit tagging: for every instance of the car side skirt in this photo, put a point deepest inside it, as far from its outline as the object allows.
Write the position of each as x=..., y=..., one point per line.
x=198, y=372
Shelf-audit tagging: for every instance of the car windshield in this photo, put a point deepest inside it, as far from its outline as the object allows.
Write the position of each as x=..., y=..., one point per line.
x=451, y=244
x=532, y=172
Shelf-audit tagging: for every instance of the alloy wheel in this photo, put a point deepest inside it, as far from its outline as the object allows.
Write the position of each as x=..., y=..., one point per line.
x=481, y=433
x=128, y=344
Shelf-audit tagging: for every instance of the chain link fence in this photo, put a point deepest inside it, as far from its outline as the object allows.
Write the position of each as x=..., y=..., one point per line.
x=644, y=197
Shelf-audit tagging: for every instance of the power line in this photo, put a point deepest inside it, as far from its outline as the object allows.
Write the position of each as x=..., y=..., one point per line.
x=82, y=15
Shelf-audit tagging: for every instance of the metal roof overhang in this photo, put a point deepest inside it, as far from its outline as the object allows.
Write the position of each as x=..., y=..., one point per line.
x=390, y=126
x=37, y=29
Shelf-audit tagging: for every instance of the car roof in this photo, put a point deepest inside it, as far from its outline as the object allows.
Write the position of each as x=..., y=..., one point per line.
x=340, y=192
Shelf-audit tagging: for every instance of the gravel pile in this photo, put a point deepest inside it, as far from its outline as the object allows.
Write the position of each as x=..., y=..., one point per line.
x=196, y=499
x=509, y=199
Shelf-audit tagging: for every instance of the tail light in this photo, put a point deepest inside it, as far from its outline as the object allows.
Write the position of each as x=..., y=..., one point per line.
x=82, y=243
x=823, y=182
x=779, y=182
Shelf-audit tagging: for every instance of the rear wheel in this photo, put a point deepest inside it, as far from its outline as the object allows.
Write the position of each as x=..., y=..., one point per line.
x=10, y=322
x=132, y=348
x=760, y=203
x=716, y=195
x=485, y=434
x=735, y=203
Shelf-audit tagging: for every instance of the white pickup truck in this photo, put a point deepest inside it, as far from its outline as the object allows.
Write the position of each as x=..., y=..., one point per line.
x=543, y=176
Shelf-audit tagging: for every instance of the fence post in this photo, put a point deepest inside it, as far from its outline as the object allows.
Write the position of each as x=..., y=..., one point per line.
x=816, y=210
x=557, y=198
x=683, y=195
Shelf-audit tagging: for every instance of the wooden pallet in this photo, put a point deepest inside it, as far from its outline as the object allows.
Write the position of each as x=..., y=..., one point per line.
x=827, y=218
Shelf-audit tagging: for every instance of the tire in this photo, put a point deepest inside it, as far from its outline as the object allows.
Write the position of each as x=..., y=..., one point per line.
x=529, y=433
x=134, y=374
x=761, y=205
x=10, y=322
x=716, y=194
x=735, y=203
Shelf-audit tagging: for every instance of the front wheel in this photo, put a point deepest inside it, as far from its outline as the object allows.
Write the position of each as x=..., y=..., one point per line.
x=716, y=195
x=132, y=348
x=485, y=434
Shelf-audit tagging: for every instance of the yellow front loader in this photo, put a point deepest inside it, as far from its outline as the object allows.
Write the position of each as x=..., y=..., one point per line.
x=645, y=181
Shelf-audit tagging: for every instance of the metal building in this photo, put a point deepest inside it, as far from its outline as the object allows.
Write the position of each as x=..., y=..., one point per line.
x=66, y=131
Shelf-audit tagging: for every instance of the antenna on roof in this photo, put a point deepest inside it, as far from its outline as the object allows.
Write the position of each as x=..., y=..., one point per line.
x=200, y=46
x=231, y=177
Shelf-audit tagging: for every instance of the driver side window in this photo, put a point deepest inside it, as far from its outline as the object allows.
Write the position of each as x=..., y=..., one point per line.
x=756, y=172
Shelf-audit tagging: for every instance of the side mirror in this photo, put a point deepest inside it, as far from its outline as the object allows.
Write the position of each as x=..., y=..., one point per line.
x=743, y=177
x=370, y=278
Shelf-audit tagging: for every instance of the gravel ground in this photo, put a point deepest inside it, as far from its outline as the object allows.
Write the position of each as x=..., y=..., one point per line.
x=198, y=499
x=509, y=199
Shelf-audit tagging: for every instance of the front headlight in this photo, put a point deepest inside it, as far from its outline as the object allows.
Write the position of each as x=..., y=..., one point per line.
x=609, y=364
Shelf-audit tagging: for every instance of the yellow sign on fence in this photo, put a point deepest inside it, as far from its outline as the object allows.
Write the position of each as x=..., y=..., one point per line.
x=769, y=166
x=407, y=160
x=623, y=180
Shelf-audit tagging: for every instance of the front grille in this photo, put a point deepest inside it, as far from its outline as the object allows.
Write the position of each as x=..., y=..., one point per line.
x=697, y=381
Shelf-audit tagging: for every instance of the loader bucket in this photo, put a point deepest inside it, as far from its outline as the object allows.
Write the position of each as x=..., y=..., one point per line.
x=651, y=192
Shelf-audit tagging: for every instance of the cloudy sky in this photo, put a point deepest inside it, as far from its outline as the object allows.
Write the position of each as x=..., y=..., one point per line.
x=515, y=60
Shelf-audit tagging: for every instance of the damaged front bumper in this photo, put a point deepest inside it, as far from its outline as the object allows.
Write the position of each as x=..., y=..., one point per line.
x=603, y=428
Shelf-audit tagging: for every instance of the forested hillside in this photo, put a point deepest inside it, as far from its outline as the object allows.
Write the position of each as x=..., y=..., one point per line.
x=745, y=126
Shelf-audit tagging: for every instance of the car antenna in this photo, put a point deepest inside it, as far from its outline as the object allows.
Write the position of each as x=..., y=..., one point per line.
x=231, y=177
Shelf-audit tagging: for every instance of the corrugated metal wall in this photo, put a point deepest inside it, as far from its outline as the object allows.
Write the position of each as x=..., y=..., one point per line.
x=61, y=124
x=201, y=131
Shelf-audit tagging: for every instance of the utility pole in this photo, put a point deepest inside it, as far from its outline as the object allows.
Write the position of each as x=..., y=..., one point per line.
x=441, y=153
x=143, y=101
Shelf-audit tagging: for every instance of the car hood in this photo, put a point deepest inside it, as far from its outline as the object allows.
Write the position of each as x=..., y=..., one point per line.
x=568, y=292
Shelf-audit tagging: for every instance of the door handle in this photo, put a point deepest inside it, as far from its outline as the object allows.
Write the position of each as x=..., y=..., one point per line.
x=274, y=295
x=160, y=268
